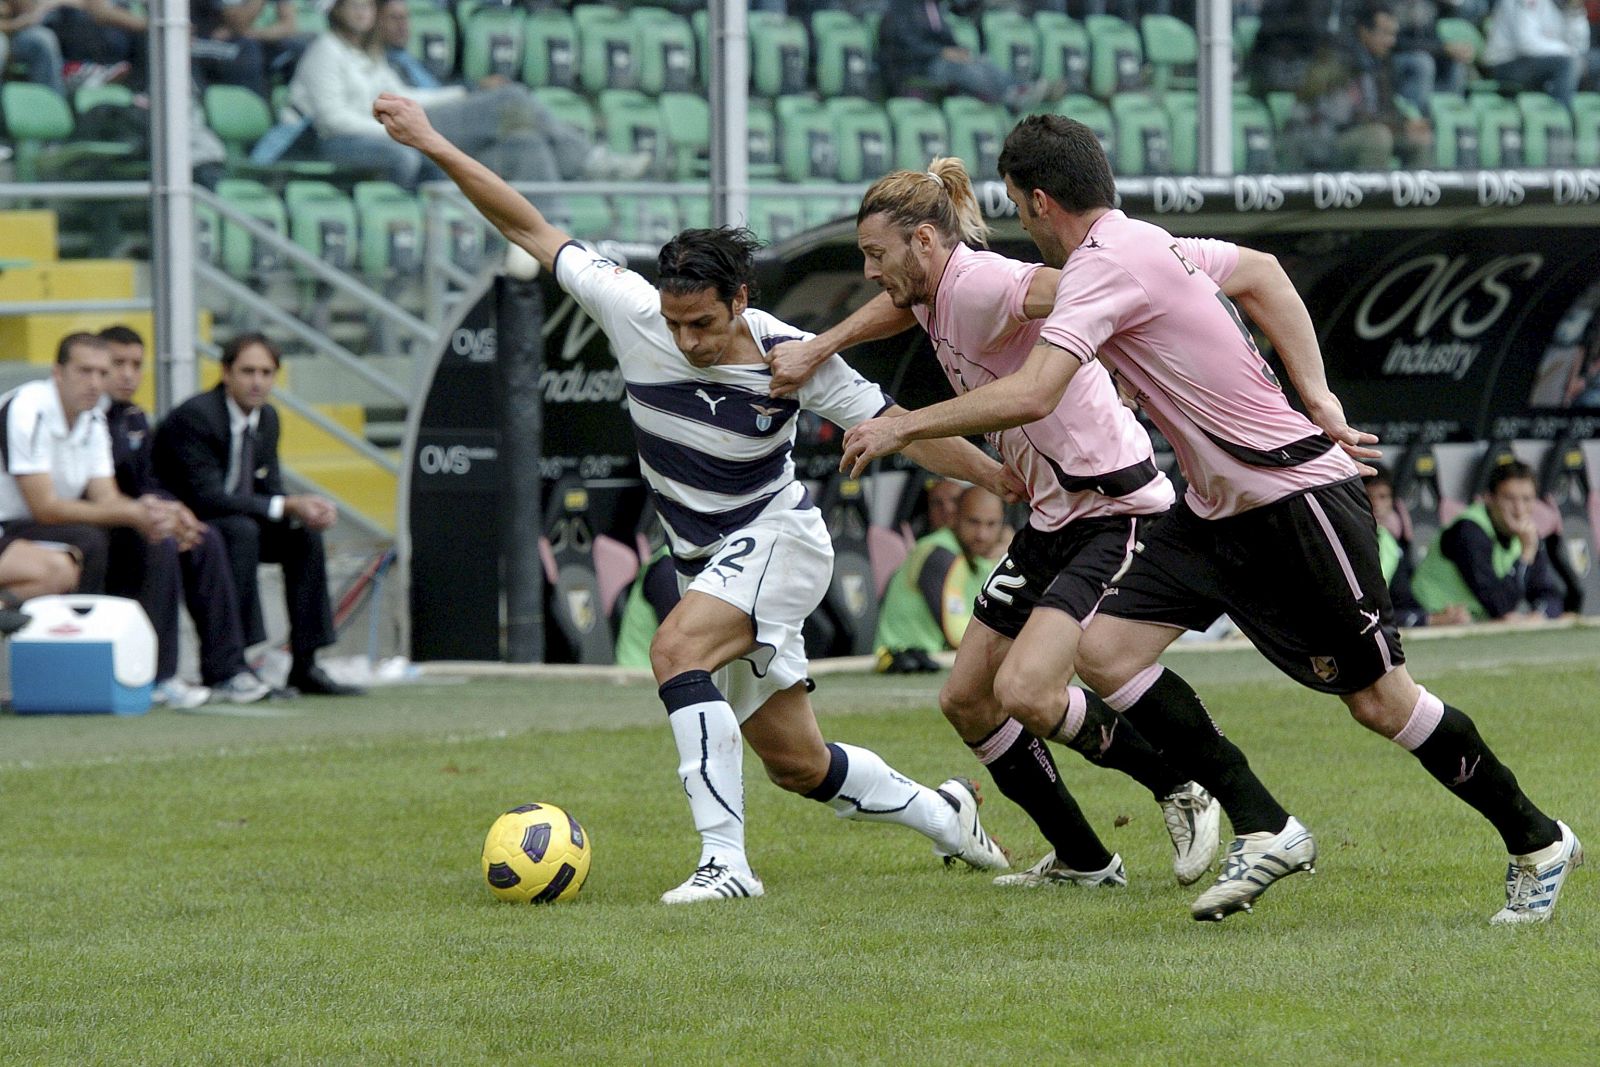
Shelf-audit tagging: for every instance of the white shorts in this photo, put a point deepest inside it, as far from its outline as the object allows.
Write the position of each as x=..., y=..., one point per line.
x=776, y=570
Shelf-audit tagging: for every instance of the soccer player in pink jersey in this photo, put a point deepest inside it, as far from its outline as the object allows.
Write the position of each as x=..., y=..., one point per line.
x=1275, y=529
x=1087, y=469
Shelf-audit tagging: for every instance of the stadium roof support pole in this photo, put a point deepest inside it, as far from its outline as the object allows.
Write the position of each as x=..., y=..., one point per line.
x=1215, y=27
x=730, y=112
x=172, y=256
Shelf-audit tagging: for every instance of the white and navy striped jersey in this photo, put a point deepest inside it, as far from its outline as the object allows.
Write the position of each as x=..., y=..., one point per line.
x=713, y=446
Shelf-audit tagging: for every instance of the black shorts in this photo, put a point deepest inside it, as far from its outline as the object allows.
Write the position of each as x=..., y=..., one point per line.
x=1066, y=569
x=1299, y=576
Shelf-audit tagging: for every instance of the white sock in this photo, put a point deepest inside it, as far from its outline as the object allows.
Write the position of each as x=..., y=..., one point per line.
x=859, y=785
x=710, y=765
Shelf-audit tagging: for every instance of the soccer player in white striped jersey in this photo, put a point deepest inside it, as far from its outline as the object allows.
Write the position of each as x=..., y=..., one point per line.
x=752, y=552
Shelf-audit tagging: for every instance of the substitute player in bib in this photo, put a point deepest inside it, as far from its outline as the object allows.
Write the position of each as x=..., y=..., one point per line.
x=752, y=551
x=1091, y=486
x=1275, y=529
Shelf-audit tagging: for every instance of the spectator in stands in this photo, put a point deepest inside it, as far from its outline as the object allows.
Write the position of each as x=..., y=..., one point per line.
x=1394, y=556
x=1423, y=64
x=575, y=154
x=26, y=38
x=218, y=453
x=917, y=48
x=158, y=575
x=1583, y=391
x=231, y=48
x=1346, y=116
x=928, y=603
x=1538, y=44
x=1294, y=34
x=1491, y=559
x=102, y=41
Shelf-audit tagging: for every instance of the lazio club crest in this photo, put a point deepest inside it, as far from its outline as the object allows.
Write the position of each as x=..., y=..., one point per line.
x=764, y=417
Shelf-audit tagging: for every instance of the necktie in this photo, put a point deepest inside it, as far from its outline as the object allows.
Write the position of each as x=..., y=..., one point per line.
x=244, y=481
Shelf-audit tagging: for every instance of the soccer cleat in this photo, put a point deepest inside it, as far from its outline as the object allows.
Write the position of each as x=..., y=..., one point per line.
x=1051, y=871
x=714, y=881
x=977, y=849
x=1532, y=887
x=179, y=694
x=1192, y=817
x=242, y=688
x=1253, y=863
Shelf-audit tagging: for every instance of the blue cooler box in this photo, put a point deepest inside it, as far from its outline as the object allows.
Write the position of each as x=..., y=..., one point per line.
x=83, y=654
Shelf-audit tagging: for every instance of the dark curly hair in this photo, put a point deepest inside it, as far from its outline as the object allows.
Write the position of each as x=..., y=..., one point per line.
x=722, y=259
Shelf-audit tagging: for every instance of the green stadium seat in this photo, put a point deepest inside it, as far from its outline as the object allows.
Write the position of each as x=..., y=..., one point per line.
x=244, y=257
x=570, y=107
x=1586, y=129
x=390, y=228
x=433, y=40
x=666, y=51
x=608, y=48
x=239, y=118
x=780, y=54
x=821, y=210
x=309, y=18
x=1245, y=29
x=492, y=42
x=1144, y=135
x=1171, y=47
x=808, y=149
x=322, y=220
x=977, y=130
x=1547, y=131
x=921, y=133
x=633, y=123
x=865, y=138
x=1116, y=57
x=1464, y=31
x=550, y=49
x=92, y=96
x=775, y=217
x=1280, y=102
x=1093, y=114
x=1455, y=132
x=648, y=219
x=590, y=217
x=694, y=212
x=40, y=123
x=1011, y=42
x=686, y=118
x=462, y=230
x=1063, y=50
x=1254, y=149
x=762, y=158
x=1183, y=113
x=1500, y=140
x=844, y=56
x=965, y=31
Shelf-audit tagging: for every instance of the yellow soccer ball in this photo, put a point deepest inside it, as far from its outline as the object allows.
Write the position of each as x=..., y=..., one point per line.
x=536, y=854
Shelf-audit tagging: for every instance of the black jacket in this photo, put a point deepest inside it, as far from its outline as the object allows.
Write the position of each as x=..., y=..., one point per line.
x=191, y=458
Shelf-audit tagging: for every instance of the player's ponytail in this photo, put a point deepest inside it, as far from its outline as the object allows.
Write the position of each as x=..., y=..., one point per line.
x=952, y=174
x=941, y=196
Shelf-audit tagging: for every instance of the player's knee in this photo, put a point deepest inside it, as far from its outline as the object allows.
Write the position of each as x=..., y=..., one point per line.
x=61, y=573
x=794, y=773
x=1378, y=711
x=1029, y=698
x=963, y=707
x=1098, y=665
x=670, y=654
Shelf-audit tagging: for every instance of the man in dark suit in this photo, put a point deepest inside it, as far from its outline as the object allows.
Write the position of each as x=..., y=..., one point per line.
x=218, y=453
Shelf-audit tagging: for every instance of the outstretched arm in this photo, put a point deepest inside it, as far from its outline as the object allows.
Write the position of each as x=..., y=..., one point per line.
x=506, y=209
x=794, y=361
x=958, y=458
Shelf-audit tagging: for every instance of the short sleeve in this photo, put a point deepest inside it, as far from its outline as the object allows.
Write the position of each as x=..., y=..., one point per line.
x=1217, y=258
x=1094, y=298
x=842, y=396
x=99, y=444
x=994, y=289
x=608, y=291
x=27, y=445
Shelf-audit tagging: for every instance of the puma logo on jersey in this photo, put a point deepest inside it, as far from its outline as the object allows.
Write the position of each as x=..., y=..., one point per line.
x=703, y=395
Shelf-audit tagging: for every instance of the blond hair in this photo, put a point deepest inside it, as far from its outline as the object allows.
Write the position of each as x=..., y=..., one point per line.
x=941, y=195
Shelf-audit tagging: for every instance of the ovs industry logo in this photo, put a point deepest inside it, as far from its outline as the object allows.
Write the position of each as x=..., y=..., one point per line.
x=1443, y=293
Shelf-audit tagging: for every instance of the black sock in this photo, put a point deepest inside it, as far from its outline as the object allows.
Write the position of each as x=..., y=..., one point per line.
x=1106, y=739
x=1174, y=720
x=1025, y=772
x=1460, y=759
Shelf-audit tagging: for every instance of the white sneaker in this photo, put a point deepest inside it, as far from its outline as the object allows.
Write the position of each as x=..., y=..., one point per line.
x=714, y=881
x=1532, y=887
x=1193, y=817
x=177, y=693
x=1050, y=871
x=1253, y=863
x=243, y=688
x=977, y=849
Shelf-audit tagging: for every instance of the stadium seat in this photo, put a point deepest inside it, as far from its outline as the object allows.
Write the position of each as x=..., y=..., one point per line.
x=886, y=550
x=1416, y=490
x=1280, y=103
x=1093, y=114
x=694, y=212
x=775, y=217
x=1500, y=141
x=849, y=604
x=89, y=97
x=965, y=31
x=844, y=54
x=1564, y=482
x=463, y=234
x=1172, y=49
x=1456, y=465
x=1546, y=130
x=433, y=40
x=920, y=132
x=40, y=123
x=207, y=234
x=570, y=107
x=1116, y=57
x=633, y=123
x=864, y=137
x=1063, y=50
x=244, y=257
x=686, y=118
x=389, y=224
x=762, y=158
x=1455, y=132
x=780, y=55
x=808, y=150
x=239, y=118
x=607, y=48
x=1586, y=129
x=492, y=42
x=821, y=210
x=322, y=220
x=550, y=49
x=666, y=51
x=1144, y=135
x=1011, y=42
x=977, y=130
x=1464, y=31
x=1253, y=149
x=647, y=219
x=1245, y=28
x=590, y=217
x=1183, y=115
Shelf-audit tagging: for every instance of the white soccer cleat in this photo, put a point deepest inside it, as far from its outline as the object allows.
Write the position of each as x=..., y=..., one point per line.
x=1050, y=871
x=1193, y=817
x=178, y=694
x=1532, y=887
x=977, y=849
x=1253, y=863
x=714, y=881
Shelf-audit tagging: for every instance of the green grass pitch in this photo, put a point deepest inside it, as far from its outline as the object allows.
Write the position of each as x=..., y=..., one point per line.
x=299, y=884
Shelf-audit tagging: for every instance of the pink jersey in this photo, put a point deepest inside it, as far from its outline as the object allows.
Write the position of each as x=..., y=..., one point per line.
x=1149, y=305
x=1089, y=456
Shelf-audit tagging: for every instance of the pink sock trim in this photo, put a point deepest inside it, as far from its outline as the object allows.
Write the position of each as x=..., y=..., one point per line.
x=998, y=742
x=1077, y=704
x=1137, y=686
x=1424, y=720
